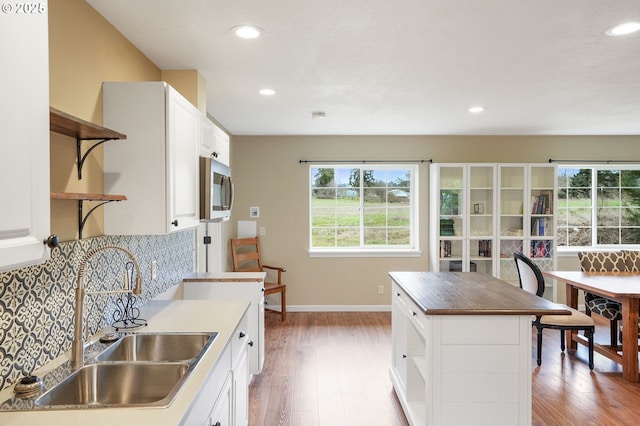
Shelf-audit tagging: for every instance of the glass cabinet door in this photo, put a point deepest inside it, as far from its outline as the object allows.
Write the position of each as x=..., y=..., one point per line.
x=542, y=198
x=511, y=218
x=481, y=233
x=451, y=217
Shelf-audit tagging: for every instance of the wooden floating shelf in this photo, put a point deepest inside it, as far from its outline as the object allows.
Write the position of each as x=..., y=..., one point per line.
x=80, y=197
x=86, y=197
x=66, y=124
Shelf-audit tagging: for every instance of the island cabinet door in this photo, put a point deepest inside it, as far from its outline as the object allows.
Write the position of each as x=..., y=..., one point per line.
x=399, y=337
x=482, y=370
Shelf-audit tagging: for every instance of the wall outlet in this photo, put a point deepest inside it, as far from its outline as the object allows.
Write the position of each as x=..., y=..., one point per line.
x=263, y=231
x=380, y=289
x=154, y=270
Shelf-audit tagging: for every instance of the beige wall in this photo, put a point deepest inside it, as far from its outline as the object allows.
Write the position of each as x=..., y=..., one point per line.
x=267, y=173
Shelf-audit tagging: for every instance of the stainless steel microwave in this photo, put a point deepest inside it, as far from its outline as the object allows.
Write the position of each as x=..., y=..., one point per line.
x=216, y=190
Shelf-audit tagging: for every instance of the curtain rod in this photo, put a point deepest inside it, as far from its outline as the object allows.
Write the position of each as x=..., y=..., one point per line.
x=551, y=160
x=363, y=161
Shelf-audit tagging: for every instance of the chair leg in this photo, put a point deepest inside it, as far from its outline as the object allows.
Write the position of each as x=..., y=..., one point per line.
x=590, y=336
x=284, y=305
x=562, y=339
x=539, y=346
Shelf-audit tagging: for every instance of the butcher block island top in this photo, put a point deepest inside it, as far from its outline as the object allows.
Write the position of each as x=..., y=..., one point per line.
x=471, y=293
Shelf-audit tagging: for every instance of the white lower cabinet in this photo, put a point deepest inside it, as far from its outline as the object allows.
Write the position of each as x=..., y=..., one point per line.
x=224, y=397
x=235, y=286
x=460, y=369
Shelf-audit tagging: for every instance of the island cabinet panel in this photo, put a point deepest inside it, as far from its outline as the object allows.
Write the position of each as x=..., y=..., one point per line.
x=461, y=364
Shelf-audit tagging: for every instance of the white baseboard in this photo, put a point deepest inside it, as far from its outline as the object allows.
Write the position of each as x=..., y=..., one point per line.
x=333, y=308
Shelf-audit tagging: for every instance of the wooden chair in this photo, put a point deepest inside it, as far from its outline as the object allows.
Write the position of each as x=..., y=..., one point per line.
x=531, y=280
x=246, y=256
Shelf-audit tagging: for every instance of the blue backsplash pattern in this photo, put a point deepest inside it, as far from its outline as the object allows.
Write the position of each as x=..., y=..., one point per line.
x=37, y=302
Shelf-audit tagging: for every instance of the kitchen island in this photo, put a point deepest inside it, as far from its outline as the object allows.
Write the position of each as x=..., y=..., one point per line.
x=192, y=403
x=462, y=348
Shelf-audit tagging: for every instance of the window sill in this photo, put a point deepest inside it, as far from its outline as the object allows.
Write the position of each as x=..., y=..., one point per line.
x=364, y=253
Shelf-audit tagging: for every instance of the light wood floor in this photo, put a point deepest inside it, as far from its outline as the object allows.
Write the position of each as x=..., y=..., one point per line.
x=332, y=369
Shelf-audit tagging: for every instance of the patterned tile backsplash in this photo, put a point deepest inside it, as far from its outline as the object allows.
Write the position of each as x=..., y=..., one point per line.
x=37, y=302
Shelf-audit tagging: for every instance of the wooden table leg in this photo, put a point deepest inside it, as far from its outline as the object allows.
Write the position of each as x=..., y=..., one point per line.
x=572, y=301
x=630, y=339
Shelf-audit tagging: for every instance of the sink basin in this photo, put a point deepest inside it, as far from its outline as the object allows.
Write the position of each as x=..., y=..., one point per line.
x=158, y=347
x=118, y=384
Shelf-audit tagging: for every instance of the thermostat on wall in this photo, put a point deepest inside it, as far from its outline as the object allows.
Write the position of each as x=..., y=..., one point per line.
x=254, y=211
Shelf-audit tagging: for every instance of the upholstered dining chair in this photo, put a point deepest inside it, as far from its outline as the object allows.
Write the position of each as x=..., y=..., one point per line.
x=531, y=280
x=604, y=261
x=247, y=257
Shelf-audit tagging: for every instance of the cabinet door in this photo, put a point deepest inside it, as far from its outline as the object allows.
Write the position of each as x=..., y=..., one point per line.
x=511, y=220
x=481, y=218
x=221, y=145
x=241, y=390
x=399, y=336
x=221, y=414
x=24, y=120
x=182, y=162
x=448, y=218
x=206, y=137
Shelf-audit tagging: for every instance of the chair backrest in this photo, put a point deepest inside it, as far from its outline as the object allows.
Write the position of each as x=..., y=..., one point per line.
x=602, y=261
x=245, y=254
x=529, y=274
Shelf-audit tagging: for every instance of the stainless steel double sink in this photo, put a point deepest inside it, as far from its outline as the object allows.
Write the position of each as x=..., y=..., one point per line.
x=138, y=370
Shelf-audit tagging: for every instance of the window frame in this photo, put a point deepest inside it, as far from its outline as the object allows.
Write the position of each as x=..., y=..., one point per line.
x=594, y=167
x=410, y=250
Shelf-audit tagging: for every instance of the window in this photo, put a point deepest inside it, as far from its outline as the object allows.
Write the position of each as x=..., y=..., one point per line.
x=598, y=206
x=358, y=208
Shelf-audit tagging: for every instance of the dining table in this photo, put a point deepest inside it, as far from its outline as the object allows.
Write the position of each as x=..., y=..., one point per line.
x=623, y=287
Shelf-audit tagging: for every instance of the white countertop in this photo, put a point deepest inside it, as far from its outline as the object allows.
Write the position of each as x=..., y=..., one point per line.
x=163, y=316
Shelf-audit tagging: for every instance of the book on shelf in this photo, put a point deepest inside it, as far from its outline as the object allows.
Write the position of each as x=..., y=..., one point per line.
x=445, y=248
x=539, y=226
x=484, y=248
x=542, y=203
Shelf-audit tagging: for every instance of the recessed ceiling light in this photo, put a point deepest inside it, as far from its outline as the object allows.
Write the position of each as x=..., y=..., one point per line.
x=247, y=31
x=623, y=29
x=476, y=109
x=318, y=115
x=267, y=92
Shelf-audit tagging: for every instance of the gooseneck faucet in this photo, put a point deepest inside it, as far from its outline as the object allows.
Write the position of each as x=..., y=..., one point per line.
x=77, y=346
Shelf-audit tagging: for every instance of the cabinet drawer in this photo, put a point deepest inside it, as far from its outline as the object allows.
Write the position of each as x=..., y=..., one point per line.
x=487, y=330
x=240, y=338
x=398, y=295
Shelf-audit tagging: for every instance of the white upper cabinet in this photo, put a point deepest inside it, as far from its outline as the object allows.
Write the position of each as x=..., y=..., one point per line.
x=214, y=142
x=24, y=123
x=158, y=166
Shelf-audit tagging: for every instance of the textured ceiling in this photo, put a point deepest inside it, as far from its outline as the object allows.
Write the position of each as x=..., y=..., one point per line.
x=400, y=67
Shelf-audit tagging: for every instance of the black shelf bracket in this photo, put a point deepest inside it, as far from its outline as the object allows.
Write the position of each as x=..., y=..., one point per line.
x=83, y=157
x=82, y=219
